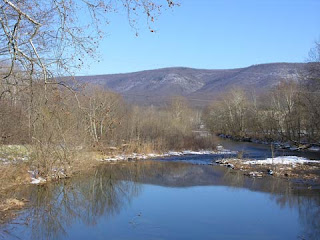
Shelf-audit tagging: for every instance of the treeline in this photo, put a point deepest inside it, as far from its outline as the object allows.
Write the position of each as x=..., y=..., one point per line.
x=289, y=112
x=58, y=122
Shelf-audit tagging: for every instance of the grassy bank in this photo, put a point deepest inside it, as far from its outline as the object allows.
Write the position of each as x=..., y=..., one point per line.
x=21, y=164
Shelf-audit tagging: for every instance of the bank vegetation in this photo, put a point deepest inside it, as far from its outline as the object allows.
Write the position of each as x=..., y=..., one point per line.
x=290, y=112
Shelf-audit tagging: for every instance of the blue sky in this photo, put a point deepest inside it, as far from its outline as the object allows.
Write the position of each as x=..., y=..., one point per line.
x=212, y=34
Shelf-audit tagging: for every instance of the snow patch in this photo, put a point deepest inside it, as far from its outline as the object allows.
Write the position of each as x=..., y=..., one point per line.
x=285, y=160
x=123, y=157
x=36, y=179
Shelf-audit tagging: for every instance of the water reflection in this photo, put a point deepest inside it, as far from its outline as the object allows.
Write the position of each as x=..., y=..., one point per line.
x=85, y=198
x=56, y=208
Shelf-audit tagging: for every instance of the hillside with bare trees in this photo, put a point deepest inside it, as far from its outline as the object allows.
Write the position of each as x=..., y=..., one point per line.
x=200, y=86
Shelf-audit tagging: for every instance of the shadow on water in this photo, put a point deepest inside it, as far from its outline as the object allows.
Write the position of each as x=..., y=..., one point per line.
x=56, y=209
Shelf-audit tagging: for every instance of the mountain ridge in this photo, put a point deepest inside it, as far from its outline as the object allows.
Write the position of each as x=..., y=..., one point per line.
x=158, y=85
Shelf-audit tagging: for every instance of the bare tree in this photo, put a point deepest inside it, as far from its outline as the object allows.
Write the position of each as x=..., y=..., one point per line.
x=42, y=41
x=45, y=37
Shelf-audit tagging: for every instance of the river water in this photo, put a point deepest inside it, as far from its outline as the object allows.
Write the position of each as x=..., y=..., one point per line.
x=169, y=199
x=248, y=150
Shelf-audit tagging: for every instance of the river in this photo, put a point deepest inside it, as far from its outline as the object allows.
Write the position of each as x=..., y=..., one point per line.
x=168, y=198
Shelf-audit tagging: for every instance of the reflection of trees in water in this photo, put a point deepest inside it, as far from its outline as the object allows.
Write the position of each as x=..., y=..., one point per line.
x=309, y=213
x=84, y=198
x=284, y=193
x=308, y=207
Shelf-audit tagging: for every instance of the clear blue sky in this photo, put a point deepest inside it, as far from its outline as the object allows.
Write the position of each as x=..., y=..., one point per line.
x=212, y=34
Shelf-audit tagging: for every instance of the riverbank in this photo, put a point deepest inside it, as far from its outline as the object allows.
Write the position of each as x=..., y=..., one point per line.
x=18, y=168
x=297, y=169
x=288, y=145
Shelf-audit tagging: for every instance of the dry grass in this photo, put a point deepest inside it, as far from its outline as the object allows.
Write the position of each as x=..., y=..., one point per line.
x=12, y=175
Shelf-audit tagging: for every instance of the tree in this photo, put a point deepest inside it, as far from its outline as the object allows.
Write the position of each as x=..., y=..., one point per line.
x=312, y=76
x=43, y=40
x=45, y=37
x=311, y=94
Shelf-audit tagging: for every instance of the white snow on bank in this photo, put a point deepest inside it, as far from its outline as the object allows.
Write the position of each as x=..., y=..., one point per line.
x=221, y=151
x=286, y=160
x=188, y=152
x=123, y=157
x=9, y=159
x=35, y=179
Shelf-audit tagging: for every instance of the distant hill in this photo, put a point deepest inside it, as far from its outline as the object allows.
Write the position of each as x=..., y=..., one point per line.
x=199, y=85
